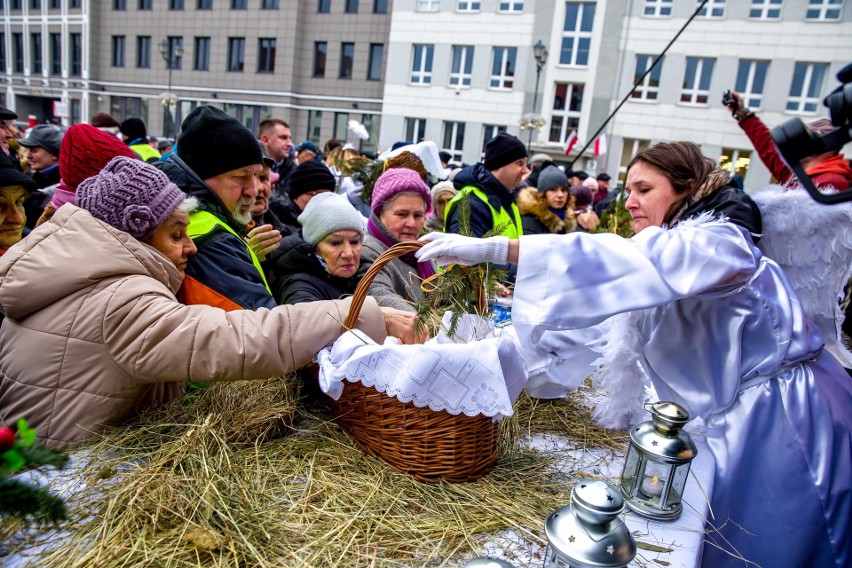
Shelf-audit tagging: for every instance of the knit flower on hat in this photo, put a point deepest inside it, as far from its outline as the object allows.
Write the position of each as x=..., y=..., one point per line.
x=137, y=219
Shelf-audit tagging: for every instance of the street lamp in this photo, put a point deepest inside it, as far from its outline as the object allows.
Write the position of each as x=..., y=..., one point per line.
x=169, y=55
x=533, y=120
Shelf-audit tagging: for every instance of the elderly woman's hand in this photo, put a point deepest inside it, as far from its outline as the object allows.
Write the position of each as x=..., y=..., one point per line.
x=263, y=240
x=400, y=324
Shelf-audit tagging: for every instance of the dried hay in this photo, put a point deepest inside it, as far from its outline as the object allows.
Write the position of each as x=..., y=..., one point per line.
x=189, y=486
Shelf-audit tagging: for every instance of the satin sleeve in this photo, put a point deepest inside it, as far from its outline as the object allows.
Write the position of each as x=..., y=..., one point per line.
x=578, y=280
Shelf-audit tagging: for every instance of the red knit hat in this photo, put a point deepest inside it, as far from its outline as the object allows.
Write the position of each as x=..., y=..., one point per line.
x=84, y=152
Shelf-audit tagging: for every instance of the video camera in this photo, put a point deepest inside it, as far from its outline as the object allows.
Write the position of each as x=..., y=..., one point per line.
x=795, y=141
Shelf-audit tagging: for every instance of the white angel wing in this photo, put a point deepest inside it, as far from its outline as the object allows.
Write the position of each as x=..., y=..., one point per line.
x=812, y=243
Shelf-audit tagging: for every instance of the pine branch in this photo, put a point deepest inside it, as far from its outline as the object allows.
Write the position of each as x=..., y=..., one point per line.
x=25, y=501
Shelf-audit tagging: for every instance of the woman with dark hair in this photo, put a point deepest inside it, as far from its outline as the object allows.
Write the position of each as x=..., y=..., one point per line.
x=718, y=329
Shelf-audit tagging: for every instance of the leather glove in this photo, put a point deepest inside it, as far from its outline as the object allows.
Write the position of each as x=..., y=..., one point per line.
x=449, y=248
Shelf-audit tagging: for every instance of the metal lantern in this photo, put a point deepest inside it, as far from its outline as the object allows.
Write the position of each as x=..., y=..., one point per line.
x=589, y=532
x=657, y=463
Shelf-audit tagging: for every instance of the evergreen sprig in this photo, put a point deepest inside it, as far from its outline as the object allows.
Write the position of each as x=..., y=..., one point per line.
x=459, y=289
x=616, y=219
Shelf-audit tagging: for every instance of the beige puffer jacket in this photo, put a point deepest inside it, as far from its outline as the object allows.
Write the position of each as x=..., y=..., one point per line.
x=93, y=331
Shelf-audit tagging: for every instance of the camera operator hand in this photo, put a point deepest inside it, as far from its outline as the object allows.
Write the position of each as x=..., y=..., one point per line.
x=734, y=101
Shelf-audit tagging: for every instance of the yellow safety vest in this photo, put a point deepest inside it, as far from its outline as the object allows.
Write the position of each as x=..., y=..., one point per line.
x=513, y=229
x=202, y=222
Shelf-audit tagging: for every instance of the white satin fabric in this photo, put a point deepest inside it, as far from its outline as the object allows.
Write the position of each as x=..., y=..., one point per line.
x=724, y=335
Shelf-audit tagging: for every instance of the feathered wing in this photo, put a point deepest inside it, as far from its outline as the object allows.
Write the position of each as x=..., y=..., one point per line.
x=812, y=243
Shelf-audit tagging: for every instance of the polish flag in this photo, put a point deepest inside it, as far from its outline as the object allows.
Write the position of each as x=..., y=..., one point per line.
x=600, y=145
x=570, y=142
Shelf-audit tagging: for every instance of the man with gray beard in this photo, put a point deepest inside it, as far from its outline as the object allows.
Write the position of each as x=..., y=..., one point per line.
x=218, y=161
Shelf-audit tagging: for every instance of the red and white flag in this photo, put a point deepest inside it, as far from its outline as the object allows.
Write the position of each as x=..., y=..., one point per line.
x=600, y=145
x=570, y=142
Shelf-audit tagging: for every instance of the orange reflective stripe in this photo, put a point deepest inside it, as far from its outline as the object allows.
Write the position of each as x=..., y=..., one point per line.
x=194, y=292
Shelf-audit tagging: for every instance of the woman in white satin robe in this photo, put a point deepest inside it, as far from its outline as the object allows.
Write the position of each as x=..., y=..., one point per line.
x=718, y=329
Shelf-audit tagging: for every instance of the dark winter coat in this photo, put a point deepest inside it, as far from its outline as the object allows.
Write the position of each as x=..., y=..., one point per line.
x=306, y=280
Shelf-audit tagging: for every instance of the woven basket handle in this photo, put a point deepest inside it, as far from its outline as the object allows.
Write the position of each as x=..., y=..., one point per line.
x=360, y=294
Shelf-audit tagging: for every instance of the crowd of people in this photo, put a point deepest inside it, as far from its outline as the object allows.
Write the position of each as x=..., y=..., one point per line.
x=127, y=273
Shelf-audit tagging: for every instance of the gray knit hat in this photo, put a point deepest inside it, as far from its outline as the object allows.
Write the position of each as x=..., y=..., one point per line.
x=552, y=177
x=326, y=213
x=130, y=195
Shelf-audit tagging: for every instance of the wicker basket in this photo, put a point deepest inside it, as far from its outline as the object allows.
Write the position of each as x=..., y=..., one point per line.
x=429, y=445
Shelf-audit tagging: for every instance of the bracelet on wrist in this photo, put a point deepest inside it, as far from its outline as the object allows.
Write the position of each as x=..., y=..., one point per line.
x=743, y=114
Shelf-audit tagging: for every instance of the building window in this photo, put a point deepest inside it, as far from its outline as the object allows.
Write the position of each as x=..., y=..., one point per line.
x=421, y=64
x=751, y=76
x=145, y=4
x=351, y=6
x=236, y=53
x=631, y=148
x=369, y=122
x=649, y=88
x=54, y=5
x=415, y=129
x=489, y=131
x=2, y=52
x=119, y=4
x=76, y=111
x=380, y=6
x=18, y=51
x=765, y=9
x=315, y=126
x=341, y=123
x=55, y=54
x=269, y=5
x=696, y=80
x=118, y=51
x=76, y=53
x=454, y=139
x=175, y=4
x=468, y=6
x=143, y=52
x=123, y=108
x=824, y=10
x=176, y=60
x=374, y=65
x=657, y=8
x=35, y=43
x=428, y=5
x=202, y=54
x=76, y=3
x=713, y=9
x=16, y=4
x=510, y=7
x=806, y=87
x=503, y=68
x=577, y=33
x=567, y=102
x=239, y=4
x=462, y=66
x=35, y=4
x=324, y=6
x=320, y=52
x=347, y=57
x=735, y=161
x=266, y=55
x=204, y=5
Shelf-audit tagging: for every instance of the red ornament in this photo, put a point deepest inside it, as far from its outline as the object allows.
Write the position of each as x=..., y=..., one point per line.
x=7, y=439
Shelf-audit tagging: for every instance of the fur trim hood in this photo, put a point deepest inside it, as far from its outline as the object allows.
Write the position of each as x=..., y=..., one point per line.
x=531, y=202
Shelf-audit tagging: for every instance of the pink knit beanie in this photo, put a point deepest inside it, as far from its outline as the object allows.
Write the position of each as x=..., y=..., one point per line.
x=398, y=180
x=130, y=195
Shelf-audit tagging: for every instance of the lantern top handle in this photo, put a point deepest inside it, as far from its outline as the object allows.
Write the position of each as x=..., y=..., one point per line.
x=668, y=417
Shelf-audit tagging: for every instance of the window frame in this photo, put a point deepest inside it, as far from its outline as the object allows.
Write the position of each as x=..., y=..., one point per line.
x=236, y=62
x=316, y=64
x=812, y=82
x=508, y=62
x=55, y=53
x=350, y=6
x=36, y=43
x=143, y=52
x=657, y=9
x=823, y=10
x=568, y=113
x=266, y=54
x=578, y=37
x=201, y=53
x=761, y=10
x=452, y=138
x=714, y=10
x=415, y=129
x=461, y=77
x=646, y=91
x=510, y=7
x=702, y=74
x=468, y=7
x=427, y=6
x=745, y=85
x=371, y=61
x=347, y=62
x=420, y=69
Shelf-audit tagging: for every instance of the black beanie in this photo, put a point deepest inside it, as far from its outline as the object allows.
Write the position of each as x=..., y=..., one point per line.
x=11, y=176
x=310, y=176
x=213, y=143
x=503, y=149
x=133, y=128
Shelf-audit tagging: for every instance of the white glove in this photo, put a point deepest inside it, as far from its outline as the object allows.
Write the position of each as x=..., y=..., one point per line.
x=450, y=248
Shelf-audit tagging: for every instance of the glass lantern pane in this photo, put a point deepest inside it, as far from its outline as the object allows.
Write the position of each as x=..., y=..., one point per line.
x=653, y=483
x=678, y=482
x=630, y=471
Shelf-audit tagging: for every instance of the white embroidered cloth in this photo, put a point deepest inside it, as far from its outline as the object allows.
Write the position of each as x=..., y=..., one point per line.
x=481, y=377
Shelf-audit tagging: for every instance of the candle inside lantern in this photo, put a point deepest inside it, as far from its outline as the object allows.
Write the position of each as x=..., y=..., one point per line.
x=653, y=485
